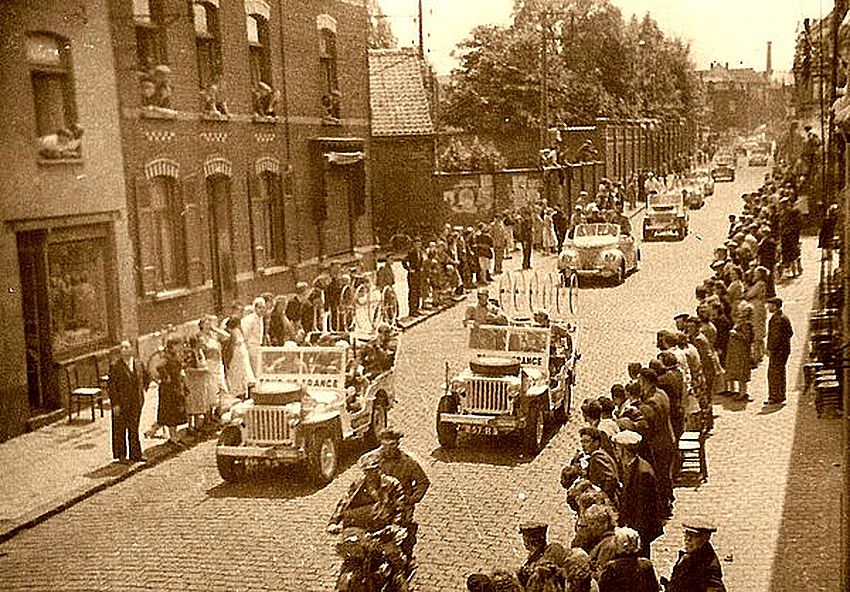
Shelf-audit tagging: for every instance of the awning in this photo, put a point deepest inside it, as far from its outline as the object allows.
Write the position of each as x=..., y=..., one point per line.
x=344, y=158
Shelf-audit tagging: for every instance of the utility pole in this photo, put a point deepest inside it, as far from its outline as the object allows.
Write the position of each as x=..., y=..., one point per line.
x=421, y=33
x=544, y=86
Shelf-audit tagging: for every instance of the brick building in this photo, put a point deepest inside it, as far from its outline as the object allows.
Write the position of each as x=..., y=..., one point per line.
x=223, y=154
x=245, y=127
x=402, y=143
x=65, y=257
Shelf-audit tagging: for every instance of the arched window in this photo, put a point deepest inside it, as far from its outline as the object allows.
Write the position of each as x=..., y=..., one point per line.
x=150, y=37
x=208, y=42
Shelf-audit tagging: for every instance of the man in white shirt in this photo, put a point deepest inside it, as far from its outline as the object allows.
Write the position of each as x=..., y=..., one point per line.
x=253, y=331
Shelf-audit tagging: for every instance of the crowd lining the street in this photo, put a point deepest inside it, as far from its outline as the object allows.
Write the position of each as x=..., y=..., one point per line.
x=620, y=485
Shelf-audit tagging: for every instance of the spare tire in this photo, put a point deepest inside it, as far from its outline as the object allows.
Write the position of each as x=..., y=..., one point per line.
x=494, y=367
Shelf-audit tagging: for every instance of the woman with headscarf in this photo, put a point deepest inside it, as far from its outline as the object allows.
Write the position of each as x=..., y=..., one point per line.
x=756, y=296
x=628, y=571
x=738, y=357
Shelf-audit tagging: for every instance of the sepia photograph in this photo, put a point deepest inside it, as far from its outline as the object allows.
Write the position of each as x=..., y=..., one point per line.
x=425, y=296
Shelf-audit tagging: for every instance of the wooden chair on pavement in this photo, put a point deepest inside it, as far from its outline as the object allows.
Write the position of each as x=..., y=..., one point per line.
x=692, y=455
x=86, y=381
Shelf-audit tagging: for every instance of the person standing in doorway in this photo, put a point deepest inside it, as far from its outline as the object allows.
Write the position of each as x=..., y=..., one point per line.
x=779, y=333
x=126, y=387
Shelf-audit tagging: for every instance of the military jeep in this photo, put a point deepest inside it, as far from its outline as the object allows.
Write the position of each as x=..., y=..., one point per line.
x=518, y=379
x=305, y=404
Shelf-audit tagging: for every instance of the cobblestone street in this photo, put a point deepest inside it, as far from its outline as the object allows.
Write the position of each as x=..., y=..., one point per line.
x=773, y=491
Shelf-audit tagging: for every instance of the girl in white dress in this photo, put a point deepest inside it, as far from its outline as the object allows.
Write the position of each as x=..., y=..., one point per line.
x=237, y=366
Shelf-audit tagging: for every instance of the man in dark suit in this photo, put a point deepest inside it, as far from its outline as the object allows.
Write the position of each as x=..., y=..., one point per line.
x=524, y=234
x=639, y=501
x=413, y=264
x=779, y=333
x=698, y=568
x=128, y=380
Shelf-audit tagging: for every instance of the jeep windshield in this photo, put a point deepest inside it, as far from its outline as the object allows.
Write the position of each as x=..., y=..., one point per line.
x=319, y=366
x=510, y=341
x=600, y=229
x=667, y=201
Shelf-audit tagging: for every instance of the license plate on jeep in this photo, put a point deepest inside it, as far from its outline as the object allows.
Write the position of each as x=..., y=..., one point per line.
x=481, y=430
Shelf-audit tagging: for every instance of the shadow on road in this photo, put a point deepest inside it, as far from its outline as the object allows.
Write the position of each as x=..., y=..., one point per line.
x=506, y=451
x=283, y=481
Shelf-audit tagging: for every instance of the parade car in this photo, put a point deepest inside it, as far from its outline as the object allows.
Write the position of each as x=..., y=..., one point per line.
x=599, y=249
x=304, y=405
x=693, y=196
x=723, y=168
x=704, y=178
x=518, y=379
x=758, y=157
x=666, y=217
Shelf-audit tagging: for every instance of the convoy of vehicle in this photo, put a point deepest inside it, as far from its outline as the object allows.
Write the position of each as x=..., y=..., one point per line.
x=723, y=168
x=599, y=249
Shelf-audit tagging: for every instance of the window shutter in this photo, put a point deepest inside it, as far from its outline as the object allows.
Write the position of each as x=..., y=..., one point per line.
x=150, y=280
x=196, y=230
x=257, y=200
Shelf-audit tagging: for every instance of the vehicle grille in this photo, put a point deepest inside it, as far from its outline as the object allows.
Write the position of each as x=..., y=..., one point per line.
x=662, y=218
x=486, y=396
x=588, y=257
x=266, y=425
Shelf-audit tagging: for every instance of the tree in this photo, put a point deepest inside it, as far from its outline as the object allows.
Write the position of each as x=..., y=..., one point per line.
x=380, y=29
x=596, y=65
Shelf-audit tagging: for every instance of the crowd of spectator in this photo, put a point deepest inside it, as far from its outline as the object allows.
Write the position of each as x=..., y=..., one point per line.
x=620, y=484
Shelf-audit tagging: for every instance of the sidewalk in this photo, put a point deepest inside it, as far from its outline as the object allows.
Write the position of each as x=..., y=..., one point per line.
x=51, y=469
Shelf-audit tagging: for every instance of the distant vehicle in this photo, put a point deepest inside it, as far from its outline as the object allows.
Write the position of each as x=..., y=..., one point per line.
x=704, y=178
x=693, y=196
x=666, y=217
x=301, y=410
x=759, y=157
x=518, y=378
x=601, y=250
x=723, y=169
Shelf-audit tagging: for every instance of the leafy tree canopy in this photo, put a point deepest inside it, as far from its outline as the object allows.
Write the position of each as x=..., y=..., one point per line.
x=596, y=65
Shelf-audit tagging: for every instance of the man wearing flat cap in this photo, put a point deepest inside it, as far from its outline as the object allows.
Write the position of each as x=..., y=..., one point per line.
x=698, y=568
x=534, y=539
x=639, y=506
x=415, y=483
x=779, y=333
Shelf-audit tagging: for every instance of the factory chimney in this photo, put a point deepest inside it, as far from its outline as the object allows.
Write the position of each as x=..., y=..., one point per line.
x=768, y=70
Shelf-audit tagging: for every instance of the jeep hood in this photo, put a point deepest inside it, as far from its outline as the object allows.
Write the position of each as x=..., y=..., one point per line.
x=595, y=241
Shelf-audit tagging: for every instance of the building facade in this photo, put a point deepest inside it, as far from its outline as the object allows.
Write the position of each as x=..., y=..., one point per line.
x=171, y=158
x=67, y=270
x=245, y=128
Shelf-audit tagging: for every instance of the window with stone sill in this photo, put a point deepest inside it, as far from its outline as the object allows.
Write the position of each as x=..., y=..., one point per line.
x=148, y=18
x=49, y=60
x=162, y=242
x=207, y=43
x=329, y=73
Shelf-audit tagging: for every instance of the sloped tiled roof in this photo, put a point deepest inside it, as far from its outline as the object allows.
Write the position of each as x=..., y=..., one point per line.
x=397, y=94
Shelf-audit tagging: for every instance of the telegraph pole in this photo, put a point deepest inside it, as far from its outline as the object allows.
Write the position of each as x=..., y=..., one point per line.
x=421, y=33
x=544, y=86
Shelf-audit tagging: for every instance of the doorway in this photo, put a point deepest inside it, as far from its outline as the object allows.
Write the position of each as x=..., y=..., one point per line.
x=221, y=246
x=41, y=378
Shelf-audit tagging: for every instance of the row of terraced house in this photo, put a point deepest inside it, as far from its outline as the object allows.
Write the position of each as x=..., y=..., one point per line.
x=165, y=158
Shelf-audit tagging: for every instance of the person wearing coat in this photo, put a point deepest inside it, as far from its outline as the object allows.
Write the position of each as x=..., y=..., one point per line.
x=628, y=572
x=779, y=333
x=698, y=568
x=639, y=500
x=128, y=380
x=172, y=395
x=738, y=353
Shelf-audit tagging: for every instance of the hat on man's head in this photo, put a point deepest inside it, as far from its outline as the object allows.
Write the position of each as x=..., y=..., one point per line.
x=484, y=291
x=775, y=300
x=699, y=526
x=535, y=530
x=626, y=438
x=668, y=359
x=390, y=435
x=681, y=315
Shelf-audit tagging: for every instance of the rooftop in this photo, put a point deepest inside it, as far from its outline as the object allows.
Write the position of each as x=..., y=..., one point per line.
x=397, y=93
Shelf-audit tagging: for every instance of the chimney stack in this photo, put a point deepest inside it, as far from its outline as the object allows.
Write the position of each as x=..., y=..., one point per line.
x=768, y=71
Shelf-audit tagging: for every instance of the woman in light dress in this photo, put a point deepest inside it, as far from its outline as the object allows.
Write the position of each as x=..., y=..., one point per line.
x=756, y=295
x=196, y=379
x=211, y=339
x=548, y=230
x=237, y=366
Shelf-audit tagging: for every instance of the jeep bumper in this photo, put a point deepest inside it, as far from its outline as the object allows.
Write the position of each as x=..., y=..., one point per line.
x=279, y=453
x=499, y=423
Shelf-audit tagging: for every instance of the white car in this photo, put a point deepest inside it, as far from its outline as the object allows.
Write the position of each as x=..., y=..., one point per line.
x=599, y=249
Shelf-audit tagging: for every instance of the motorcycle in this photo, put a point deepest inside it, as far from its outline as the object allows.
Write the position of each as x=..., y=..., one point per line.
x=372, y=560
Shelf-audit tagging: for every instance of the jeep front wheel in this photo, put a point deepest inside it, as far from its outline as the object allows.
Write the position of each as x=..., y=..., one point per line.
x=230, y=468
x=446, y=432
x=535, y=424
x=323, y=456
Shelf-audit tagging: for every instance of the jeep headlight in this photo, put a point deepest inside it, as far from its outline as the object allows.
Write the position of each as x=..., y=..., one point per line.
x=513, y=390
x=568, y=257
x=609, y=257
x=457, y=386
